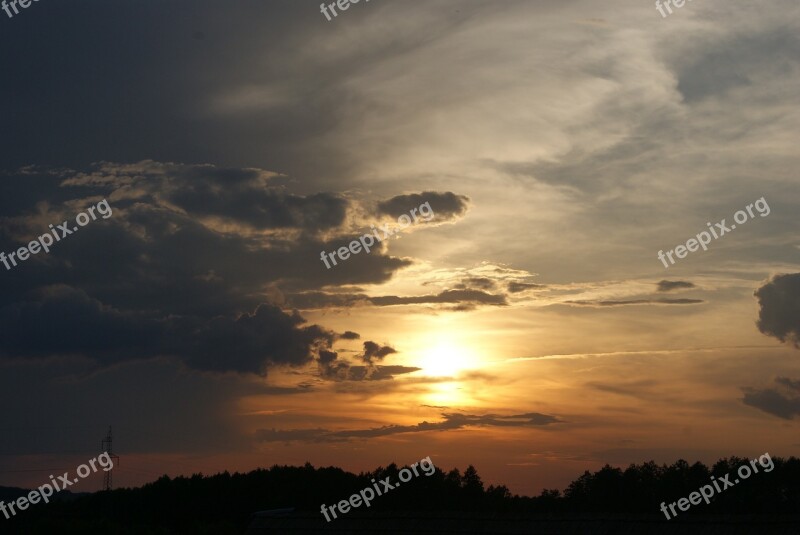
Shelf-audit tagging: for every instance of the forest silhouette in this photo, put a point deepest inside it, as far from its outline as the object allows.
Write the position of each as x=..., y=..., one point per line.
x=224, y=503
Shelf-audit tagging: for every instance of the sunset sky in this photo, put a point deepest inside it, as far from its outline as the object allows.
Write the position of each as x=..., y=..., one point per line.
x=528, y=329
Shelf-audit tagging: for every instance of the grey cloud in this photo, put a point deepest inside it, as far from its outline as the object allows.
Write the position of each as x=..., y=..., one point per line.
x=73, y=324
x=447, y=296
x=735, y=62
x=331, y=367
x=151, y=256
x=785, y=381
x=597, y=303
x=374, y=352
x=642, y=389
x=451, y=421
x=482, y=283
x=239, y=194
x=77, y=324
x=389, y=372
x=773, y=401
x=668, y=286
x=310, y=300
x=249, y=343
x=517, y=287
x=446, y=205
x=156, y=279
x=779, y=313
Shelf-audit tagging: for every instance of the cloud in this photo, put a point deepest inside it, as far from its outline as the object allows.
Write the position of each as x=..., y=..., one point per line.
x=446, y=205
x=785, y=381
x=595, y=303
x=381, y=373
x=193, y=264
x=447, y=296
x=77, y=324
x=244, y=195
x=333, y=368
x=482, y=283
x=782, y=402
x=310, y=300
x=642, y=389
x=374, y=352
x=668, y=286
x=517, y=287
x=451, y=421
x=779, y=313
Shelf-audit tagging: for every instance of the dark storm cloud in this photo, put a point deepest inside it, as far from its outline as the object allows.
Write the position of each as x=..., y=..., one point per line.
x=451, y=421
x=249, y=343
x=159, y=85
x=594, y=303
x=61, y=320
x=65, y=321
x=445, y=205
x=154, y=255
x=157, y=278
x=668, y=286
x=243, y=195
x=779, y=313
x=783, y=401
x=349, y=335
x=261, y=208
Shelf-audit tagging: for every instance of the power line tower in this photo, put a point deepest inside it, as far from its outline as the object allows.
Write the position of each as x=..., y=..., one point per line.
x=105, y=447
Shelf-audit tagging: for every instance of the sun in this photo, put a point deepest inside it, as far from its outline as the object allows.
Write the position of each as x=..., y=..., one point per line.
x=447, y=358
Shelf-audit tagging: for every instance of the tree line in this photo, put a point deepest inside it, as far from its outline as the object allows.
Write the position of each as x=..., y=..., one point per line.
x=224, y=503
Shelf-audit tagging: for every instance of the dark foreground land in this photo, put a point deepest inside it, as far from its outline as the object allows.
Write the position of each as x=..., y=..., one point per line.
x=519, y=523
x=609, y=501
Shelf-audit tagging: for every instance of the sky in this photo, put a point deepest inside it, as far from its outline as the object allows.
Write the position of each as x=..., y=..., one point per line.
x=525, y=325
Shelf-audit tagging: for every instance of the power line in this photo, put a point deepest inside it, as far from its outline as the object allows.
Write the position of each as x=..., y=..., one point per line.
x=105, y=447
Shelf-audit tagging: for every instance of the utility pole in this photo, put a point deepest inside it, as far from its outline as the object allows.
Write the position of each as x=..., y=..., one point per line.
x=105, y=447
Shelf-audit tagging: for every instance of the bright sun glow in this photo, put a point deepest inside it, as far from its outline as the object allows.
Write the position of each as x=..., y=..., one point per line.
x=446, y=358
x=450, y=393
